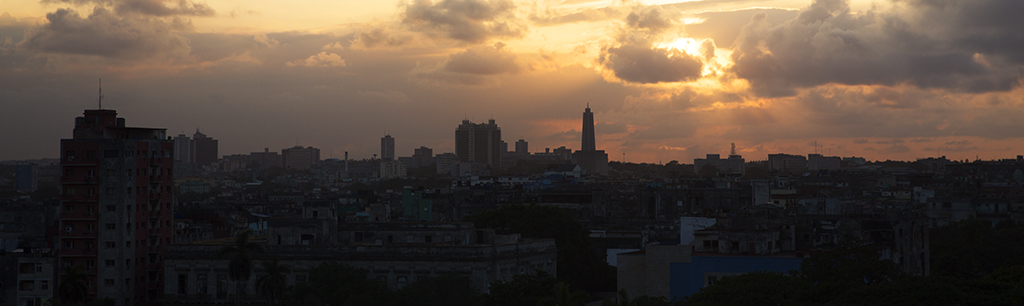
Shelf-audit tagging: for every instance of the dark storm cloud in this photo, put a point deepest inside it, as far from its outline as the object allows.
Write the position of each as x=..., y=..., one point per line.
x=104, y=34
x=149, y=7
x=991, y=27
x=826, y=43
x=470, y=21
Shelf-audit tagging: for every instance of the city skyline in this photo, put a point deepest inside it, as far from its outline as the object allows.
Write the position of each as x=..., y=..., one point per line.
x=666, y=81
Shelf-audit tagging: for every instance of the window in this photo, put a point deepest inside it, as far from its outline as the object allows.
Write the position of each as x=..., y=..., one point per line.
x=27, y=285
x=111, y=173
x=69, y=208
x=110, y=154
x=111, y=190
x=69, y=245
x=111, y=226
x=90, y=155
x=429, y=238
x=69, y=191
x=108, y=282
x=108, y=262
x=44, y=285
x=89, y=263
x=111, y=208
x=182, y=284
x=69, y=172
x=128, y=244
x=300, y=279
x=110, y=244
x=69, y=154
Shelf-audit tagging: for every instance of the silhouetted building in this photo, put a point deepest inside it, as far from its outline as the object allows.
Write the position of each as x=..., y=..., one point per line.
x=204, y=149
x=589, y=143
x=115, y=215
x=300, y=158
x=588, y=157
x=387, y=148
x=478, y=143
x=522, y=148
x=787, y=163
x=25, y=178
x=265, y=159
x=182, y=149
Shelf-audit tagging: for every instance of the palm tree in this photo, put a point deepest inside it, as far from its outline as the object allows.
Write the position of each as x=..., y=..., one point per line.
x=272, y=284
x=240, y=266
x=73, y=288
x=563, y=297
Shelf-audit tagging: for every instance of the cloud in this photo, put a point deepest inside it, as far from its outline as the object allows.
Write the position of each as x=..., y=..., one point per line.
x=148, y=7
x=635, y=59
x=380, y=37
x=610, y=127
x=643, y=64
x=827, y=43
x=104, y=34
x=555, y=17
x=474, y=65
x=469, y=21
x=322, y=59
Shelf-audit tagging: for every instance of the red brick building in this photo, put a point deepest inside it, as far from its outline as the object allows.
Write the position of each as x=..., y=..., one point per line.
x=116, y=206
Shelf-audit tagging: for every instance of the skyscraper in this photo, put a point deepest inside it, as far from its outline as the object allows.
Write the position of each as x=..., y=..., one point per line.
x=588, y=157
x=478, y=143
x=204, y=149
x=522, y=148
x=387, y=148
x=115, y=214
x=589, y=144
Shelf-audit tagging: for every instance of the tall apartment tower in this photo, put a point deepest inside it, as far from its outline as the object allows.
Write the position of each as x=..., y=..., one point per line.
x=478, y=143
x=522, y=148
x=183, y=149
x=589, y=144
x=116, y=206
x=387, y=148
x=300, y=158
x=204, y=149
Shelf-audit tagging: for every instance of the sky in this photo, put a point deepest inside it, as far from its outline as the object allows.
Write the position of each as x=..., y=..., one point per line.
x=666, y=79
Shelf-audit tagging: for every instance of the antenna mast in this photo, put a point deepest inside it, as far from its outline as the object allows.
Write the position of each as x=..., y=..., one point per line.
x=101, y=94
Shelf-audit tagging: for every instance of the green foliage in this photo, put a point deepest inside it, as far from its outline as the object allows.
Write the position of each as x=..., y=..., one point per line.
x=579, y=263
x=565, y=297
x=445, y=290
x=273, y=283
x=757, y=288
x=73, y=286
x=972, y=248
x=333, y=283
x=523, y=289
x=854, y=265
x=240, y=264
x=928, y=291
x=622, y=299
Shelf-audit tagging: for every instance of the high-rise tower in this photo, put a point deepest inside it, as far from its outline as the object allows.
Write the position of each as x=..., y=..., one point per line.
x=588, y=131
x=478, y=143
x=387, y=148
x=115, y=214
x=588, y=157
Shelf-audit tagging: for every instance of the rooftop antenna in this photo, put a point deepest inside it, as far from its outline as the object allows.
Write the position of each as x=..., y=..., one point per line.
x=732, y=150
x=101, y=94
